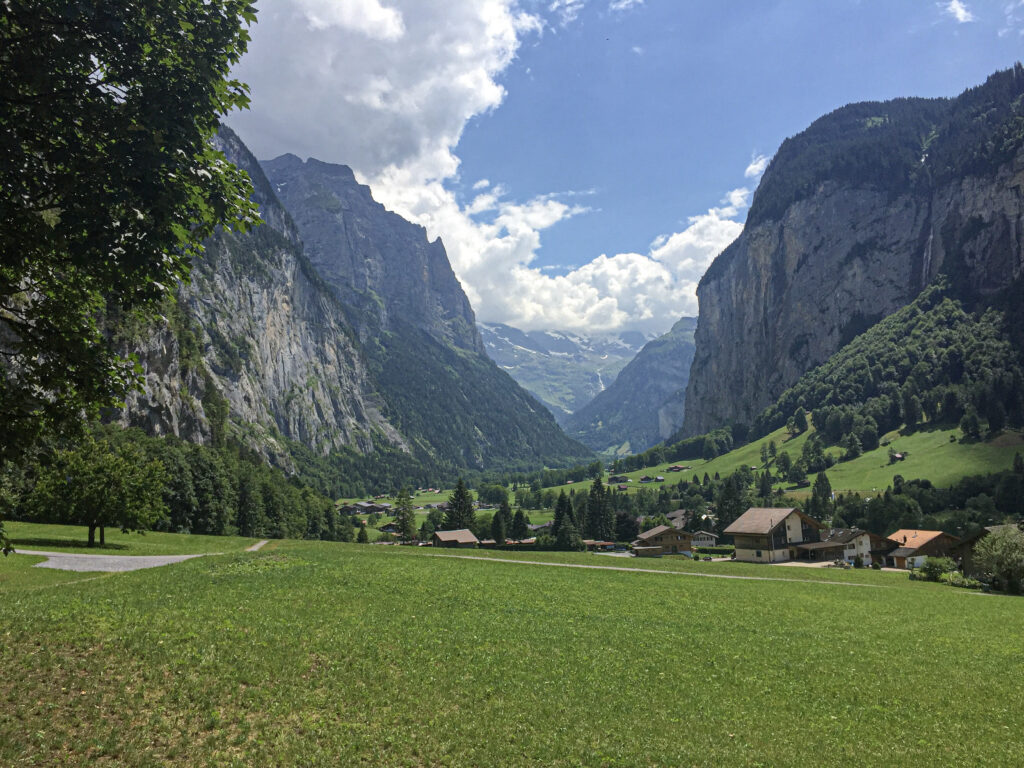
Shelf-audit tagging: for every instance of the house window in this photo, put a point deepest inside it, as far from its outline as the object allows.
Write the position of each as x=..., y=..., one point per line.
x=759, y=553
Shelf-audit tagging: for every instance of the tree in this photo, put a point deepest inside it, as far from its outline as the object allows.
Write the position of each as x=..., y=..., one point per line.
x=970, y=426
x=460, y=512
x=362, y=537
x=569, y=538
x=783, y=463
x=405, y=516
x=563, y=513
x=519, y=529
x=505, y=513
x=800, y=420
x=820, y=504
x=98, y=485
x=600, y=516
x=498, y=529
x=1018, y=464
x=1000, y=555
x=110, y=184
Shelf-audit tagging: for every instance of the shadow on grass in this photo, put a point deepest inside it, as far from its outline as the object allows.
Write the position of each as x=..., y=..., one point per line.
x=63, y=544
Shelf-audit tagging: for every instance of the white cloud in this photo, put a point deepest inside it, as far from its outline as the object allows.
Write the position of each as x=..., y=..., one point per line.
x=567, y=10
x=638, y=50
x=624, y=5
x=394, y=108
x=757, y=165
x=368, y=17
x=959, y=11
x=1014, y=13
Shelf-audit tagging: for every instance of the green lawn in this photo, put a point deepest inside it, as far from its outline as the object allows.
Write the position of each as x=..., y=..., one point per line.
x=322, y=654
x=72, y=538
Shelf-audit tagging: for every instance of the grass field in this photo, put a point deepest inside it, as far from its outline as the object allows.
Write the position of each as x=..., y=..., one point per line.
x=328, y=654
x=69, y=538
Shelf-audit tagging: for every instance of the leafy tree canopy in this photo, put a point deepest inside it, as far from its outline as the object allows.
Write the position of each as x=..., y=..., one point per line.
x=109, y=183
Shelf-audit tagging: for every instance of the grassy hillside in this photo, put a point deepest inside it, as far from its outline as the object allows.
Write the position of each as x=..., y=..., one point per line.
x=297, y=656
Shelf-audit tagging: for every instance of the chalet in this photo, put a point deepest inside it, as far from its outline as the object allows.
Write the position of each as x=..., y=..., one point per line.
x=846, y=544
x=705, y=539
x=913, y=546
x=619, y=479
x=541, y=526
x=667, y=539
x=677, y=468
x=389, y=528
x=771, y=535
x=594, y=545
x=646, y=479
x=461, y=538
x=623, y=487
x=659, y=479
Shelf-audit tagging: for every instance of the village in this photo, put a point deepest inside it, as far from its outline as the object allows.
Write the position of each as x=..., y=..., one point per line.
x=766, y=535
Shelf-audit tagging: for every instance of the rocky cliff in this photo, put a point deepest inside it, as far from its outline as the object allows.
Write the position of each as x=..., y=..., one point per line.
x=644, y=405
x=257, y=333
x=378, y=263
x=851, y=220
x=372, y=349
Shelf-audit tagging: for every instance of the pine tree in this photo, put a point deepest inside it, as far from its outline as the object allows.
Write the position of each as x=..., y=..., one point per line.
x=600, y=517
x=498, y=529
x=519, y=529
x=405, y=516
x=363, y=537
x=460, y=512
x=563, y=513
x=569, y=538
x=505, y=513
x=1018, y=464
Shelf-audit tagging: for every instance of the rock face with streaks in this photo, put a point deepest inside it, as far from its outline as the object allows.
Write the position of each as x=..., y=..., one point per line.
x=851, y=220
x=338, y=326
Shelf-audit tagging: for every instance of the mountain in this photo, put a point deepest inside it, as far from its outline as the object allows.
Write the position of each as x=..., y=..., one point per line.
x=563, y=370
x=851, y=220
x=644, y=405
x=359, y=347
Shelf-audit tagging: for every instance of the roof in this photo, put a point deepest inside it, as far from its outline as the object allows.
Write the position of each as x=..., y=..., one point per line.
x=912, y=539
x=833, y=544
x=842, y=535
x=705, y=533
x=659, y=530
x=902, y=552
x=677, y=513
x=461, y=536
x=765, y=519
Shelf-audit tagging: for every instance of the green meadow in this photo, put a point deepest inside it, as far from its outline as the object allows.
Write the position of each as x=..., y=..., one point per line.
x=321, y=654
x=75, y=539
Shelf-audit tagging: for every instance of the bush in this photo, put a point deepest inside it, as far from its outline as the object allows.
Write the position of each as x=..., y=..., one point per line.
x=934, y=568
x=957, y=579
x=876, y=566
x=721, y=550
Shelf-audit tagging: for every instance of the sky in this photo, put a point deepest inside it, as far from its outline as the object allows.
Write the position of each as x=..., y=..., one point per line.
x=584, y=161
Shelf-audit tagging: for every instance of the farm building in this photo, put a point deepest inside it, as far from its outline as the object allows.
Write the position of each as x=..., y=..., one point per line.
x=705, y=539
x=667, y=539
x=460, y=538
x=913, y=546
x=771, y=535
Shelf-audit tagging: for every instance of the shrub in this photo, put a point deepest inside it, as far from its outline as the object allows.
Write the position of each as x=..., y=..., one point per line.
x=935, y=567
x=957, y=579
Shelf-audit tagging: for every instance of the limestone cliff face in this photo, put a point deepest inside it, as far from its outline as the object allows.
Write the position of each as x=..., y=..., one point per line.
x=379, y=263
x=840, y=250
x=257, y=330
x=378, y=350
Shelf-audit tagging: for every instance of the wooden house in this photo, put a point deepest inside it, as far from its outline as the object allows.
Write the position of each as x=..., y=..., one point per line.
x=913, y=546
x=462, y=538
x=771, y=534
x=667, y=539
x=705, y=539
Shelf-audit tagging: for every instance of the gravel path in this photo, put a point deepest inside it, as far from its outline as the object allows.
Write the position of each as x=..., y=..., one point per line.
x=257, y=545
x=63, y=561
x=663, y=573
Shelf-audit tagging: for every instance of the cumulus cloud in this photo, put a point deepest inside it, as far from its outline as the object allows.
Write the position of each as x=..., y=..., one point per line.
x=959, y=11
x=624, y=5
x=368, y=17
x=387, y=87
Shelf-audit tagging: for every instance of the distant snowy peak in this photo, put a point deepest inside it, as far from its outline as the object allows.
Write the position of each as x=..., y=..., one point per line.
x=563, y=369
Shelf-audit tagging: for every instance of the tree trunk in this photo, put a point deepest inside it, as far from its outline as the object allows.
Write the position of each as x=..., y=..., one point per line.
x=103, y=535
x=92, y=535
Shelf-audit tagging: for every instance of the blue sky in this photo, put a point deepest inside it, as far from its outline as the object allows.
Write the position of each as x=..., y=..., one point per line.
x=584, y=160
